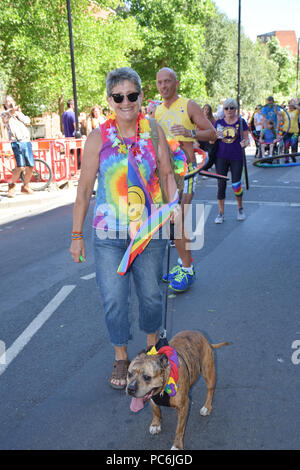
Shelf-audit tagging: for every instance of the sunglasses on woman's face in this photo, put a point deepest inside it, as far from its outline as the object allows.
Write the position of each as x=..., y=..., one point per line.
x=118, y=97
x=229, y=107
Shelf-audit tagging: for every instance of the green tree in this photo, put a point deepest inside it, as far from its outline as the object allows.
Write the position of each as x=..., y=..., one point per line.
x=36, y=54
x=285, y=66
x=219, y=61
x=257, y=74
x=172, y=33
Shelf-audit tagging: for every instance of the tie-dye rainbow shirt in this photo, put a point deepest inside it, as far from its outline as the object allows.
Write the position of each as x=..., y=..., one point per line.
x=111, y=209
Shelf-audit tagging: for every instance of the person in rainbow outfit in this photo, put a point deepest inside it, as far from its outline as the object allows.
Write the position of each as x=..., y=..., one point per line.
x=121, y=153
x=183, y=122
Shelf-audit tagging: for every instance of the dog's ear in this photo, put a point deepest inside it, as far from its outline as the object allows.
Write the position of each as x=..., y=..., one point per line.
x=163, y=360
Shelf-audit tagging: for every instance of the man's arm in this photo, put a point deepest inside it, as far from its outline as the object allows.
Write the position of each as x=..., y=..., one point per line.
x=167, y=179
x=264, y=116
x=23, y=118
x=205, y=131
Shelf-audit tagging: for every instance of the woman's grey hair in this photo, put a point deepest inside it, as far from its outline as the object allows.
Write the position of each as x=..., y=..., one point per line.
x=117, y=76
x=230, y=102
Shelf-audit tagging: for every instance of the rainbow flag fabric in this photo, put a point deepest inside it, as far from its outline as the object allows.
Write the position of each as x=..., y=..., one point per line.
x=144, y=234
x=139, y=197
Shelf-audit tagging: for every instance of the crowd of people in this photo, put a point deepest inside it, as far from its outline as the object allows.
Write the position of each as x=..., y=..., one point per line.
x=126, y=142
x=273, y=128
x=86, y=123
x=140, y=157
x=276, y=128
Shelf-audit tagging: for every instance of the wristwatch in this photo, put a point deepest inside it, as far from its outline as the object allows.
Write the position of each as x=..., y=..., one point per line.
x=193, y=133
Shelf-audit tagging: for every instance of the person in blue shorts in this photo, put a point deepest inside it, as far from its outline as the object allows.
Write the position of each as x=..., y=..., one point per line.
x=16, y=124
x=268, y=136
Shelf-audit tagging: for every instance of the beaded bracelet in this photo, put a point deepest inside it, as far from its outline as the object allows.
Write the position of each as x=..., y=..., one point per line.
x=77, y=236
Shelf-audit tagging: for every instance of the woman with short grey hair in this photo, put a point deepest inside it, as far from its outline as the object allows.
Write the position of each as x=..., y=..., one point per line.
x=229, y=156
x=121, y=153
x=230, y=102
x=120, y=75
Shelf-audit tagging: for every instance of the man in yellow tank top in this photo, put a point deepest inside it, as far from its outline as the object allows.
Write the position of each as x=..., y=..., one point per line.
x=184, y=120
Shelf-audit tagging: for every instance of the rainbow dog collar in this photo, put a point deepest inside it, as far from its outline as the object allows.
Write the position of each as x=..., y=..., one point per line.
x=172, y=385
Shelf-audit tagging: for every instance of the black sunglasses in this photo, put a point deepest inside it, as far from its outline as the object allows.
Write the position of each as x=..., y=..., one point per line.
x=230, y=107
x=118, y=97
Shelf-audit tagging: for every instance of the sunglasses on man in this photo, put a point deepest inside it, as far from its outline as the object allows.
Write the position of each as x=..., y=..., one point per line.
x=118, y=97
x=229, y=107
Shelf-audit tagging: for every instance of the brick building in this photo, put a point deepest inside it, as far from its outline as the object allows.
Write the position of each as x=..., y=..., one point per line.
x=285, y=38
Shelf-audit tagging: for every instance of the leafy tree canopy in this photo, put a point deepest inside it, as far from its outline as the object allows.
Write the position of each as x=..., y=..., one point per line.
x=36, y=51
x=173, y=36
x=192, y=37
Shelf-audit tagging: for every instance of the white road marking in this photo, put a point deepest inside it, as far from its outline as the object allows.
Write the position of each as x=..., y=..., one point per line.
x=260, y=203
x=264, y=186
x=12, y=352
x=88, y=276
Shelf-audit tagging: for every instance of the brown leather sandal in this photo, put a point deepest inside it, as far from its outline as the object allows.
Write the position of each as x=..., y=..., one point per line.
x=119, y=373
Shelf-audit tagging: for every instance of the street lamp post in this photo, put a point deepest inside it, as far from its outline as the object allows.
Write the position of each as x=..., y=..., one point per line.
x=239, y=95
x=77, y=131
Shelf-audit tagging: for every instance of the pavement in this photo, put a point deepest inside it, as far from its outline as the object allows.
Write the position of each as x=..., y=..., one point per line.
x=24, y=205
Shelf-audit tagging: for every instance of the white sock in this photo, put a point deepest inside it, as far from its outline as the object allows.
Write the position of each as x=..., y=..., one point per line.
x=188, y=270
x=179, y=261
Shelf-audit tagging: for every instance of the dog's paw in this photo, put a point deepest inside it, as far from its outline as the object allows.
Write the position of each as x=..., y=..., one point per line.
x=174, y=448
x=154, y=429
x=204, y=411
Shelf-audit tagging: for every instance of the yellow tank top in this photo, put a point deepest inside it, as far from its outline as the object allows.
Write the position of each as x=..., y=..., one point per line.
x=176, y=114
x=294, y=115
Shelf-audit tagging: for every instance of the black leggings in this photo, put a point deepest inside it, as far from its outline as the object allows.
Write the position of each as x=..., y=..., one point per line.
x=236, y=169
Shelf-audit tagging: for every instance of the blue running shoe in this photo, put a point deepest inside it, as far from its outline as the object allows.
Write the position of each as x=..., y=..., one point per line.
x=182, y=281
x=173, y=272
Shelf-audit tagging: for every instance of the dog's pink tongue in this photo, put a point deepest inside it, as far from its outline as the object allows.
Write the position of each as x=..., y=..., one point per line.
x=137, y=404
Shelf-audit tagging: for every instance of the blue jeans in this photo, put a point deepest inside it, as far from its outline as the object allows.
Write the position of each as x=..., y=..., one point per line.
x=23, y=153
x=146, y=272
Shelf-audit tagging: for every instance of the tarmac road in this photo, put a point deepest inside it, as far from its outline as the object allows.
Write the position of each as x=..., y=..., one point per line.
x=54, y=391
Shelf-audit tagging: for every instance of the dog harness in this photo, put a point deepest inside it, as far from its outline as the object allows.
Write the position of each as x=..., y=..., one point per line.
x=172, y=385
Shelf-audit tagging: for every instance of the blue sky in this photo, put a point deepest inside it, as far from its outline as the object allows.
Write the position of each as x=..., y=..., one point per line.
x=263, y=16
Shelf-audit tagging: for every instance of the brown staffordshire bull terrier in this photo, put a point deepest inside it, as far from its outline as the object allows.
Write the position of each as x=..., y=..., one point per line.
x=148, y=376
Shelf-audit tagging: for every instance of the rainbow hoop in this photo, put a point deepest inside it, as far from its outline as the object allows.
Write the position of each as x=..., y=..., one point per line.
x=202, y=161
x=263, y=162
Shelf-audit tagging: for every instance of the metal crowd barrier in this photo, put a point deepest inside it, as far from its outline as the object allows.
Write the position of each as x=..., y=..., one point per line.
x=62, y=155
